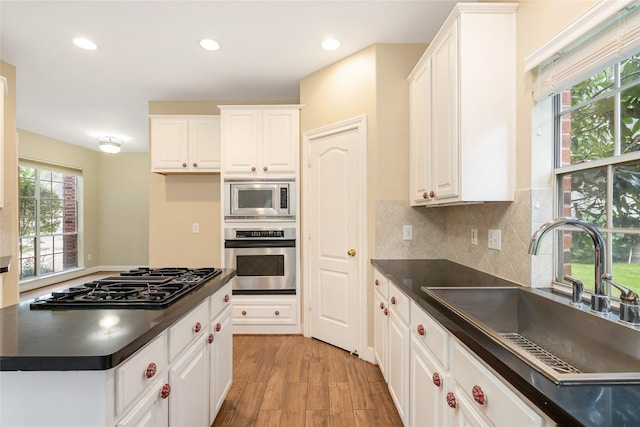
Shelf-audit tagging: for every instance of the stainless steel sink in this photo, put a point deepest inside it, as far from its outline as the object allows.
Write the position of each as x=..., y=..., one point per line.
x=565, y=343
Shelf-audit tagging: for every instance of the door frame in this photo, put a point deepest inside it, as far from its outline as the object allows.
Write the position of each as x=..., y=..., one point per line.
x=359, y=124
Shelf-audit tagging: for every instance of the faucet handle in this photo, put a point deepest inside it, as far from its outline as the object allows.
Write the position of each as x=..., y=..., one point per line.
x=578, y=289
x=626, y=295
x=629, y=306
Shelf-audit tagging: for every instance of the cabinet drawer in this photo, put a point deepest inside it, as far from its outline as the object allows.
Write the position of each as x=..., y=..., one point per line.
x=399, y=303
x=267, y=312
x=381, y=284
x=219, y=301
x=140, y=370
x=187, y=329
x=501, y=405
x=432, y=335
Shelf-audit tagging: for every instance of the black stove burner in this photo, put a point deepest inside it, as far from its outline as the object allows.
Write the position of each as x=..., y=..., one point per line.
x=142, y=288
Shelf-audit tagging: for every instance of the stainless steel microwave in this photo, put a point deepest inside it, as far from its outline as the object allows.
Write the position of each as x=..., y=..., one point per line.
x=258, y=200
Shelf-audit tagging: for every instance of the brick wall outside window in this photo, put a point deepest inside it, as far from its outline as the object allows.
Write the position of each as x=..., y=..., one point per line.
x=70, y=223
x=565, y=156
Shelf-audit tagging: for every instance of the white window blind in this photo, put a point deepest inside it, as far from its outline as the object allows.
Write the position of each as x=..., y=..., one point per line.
x=67, y=170
x=610, y=39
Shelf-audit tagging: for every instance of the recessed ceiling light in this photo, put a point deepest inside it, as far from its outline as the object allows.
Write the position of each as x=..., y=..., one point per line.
x=209, y=44
x=84, y=43
x=330, y=44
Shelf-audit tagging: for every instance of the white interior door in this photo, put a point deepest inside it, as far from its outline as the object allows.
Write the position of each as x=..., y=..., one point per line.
x=336, y=221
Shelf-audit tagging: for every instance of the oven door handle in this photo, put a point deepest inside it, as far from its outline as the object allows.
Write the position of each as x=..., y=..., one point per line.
x=242, y=243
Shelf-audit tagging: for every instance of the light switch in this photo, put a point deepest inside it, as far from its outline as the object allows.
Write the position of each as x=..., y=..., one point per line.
x=196, y=227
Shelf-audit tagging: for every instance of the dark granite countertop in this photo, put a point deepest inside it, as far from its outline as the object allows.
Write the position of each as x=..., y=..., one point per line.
x=590, y=405
x=5, y=262
x=64, y=340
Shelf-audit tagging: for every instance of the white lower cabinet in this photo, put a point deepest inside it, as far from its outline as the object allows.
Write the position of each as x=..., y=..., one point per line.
x=175, y=380
x=220, y=361
x=151, y=410
x=428, y=385
x=398, y=352
x=189, y=380
x=265, y=314
x=433, y=379
x=381, y=321
x=461, y=412
x=430, y=380
x=381, y=332
x=483, y=397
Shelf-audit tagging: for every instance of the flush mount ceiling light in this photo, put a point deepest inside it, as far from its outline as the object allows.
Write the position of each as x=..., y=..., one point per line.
x=109, y=144
x=209, y=44
x=330, y=44
x=84, y=43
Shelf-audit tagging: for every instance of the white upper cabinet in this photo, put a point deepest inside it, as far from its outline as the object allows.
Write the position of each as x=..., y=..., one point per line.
x=462, y=109
x=260, y=140
x=419, y=131
x=185, y=144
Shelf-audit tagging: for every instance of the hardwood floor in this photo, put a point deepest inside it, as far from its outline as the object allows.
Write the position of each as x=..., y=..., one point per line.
x=289, y=380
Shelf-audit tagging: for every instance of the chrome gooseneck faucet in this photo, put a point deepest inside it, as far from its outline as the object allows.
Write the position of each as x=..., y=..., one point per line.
x=600, y=299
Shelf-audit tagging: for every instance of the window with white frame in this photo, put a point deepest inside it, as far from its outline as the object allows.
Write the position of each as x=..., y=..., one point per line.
x=597, y=170
x=48, y=220
x=591, y=71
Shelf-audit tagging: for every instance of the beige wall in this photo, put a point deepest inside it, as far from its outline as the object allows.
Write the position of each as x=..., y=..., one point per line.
x=9, y=213
x=123, y=216
x=175, y=203
x=47, y=150
x=438, y=232
x=115, y=198
x=371, y=82
x=178, y=201
x=537, y=21
x=339, y=92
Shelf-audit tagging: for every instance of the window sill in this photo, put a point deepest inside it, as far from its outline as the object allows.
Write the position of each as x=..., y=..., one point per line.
x=40, y=282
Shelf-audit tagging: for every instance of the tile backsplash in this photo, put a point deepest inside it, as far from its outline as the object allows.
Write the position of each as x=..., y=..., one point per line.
x=446, y=233
x=429, y=231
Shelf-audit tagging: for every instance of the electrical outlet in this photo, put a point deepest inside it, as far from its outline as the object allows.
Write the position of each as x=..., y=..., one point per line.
x=196, y=227
x=407, y=232
x=89, y=257
x=495, y=240
x=474, y=236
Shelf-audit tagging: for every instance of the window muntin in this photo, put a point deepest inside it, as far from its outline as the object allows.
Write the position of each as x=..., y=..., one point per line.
x=598, y=171
x=48, y=221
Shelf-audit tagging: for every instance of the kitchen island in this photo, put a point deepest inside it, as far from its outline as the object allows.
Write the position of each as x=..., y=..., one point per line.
x=80, y=366
x=586, y=404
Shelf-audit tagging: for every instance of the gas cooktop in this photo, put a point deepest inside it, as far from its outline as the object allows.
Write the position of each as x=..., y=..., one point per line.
x=141, y=288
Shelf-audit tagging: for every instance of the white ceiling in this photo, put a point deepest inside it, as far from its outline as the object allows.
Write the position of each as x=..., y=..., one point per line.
x=149, y=51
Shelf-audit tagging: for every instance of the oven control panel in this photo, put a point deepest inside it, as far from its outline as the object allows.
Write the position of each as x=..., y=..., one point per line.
x=259, y=233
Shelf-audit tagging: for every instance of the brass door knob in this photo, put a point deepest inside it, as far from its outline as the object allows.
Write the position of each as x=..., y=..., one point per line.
x=351, y=252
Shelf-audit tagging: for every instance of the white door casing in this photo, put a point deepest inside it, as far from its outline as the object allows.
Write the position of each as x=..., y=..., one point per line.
x=335, y=218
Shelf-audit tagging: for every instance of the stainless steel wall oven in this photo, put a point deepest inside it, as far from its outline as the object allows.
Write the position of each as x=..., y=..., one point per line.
x=264, y=259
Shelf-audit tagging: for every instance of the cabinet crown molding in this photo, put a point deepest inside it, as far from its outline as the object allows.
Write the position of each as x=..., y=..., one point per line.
x=261, y=107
